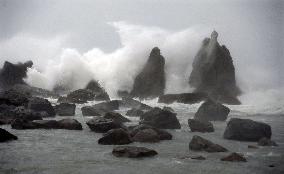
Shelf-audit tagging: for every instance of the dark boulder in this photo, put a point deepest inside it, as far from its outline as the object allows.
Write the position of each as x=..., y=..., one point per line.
x=9, y=113
x=200, y=126
x=13, y=97
x=107, y=106
x=41, y=105
x=162, y=134
x=246, y=130
x=198, y=143
x=90, y=111
x=234, y=157
x=266, y=142
x=102, y=125
x=150, y=82
x=81, y=96
x=115, y=137
x=46, y=124
x=186, y=98
x=97, y=89
x=70, y=124
x=12, y=74
x=134, y=112
x=21, y=124
x=168, y=109
x=133, y=152
x=65, y=109
x=116, y=117
x=212, y=111
x=146, y=135
x=134, y=104
x=161, y=119
x=6, y=136
x=214, y=72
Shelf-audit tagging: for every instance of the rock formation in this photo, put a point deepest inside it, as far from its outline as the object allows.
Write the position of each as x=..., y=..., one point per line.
x=150, y=82
x=214, y=72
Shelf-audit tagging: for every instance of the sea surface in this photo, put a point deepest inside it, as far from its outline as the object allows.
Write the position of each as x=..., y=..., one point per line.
x=70, y=151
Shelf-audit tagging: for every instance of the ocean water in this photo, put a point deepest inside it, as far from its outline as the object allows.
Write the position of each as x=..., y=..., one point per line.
x=68, y=151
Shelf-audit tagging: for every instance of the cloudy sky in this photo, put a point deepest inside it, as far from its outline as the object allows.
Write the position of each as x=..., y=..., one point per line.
x=40, y=29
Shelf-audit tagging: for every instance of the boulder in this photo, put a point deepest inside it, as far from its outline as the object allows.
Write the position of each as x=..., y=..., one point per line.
x=146, y=135
x=9, y=113
x=6, y=136
x=168, y=109
x=134, y=112
x=70, y=124
x=133, y=152
x=116, y=117
x=41, y=105
x=200, y=126
x=134, y=104
x=81, y=96
x=266, y=142
x=234, y=157
x=12, y=74
x=161, y=119
x=162, y=134
x=150, y=82
x=102, y=125
x=90, y=111
x=97, y=89
x=65, y=109
x=21, y=124
x=186, y=98
x=198, y=143
x=115, y=137
x=246, y=130
x=212, y=111
x=15, y=98
x=45, y=124
x=214, y=72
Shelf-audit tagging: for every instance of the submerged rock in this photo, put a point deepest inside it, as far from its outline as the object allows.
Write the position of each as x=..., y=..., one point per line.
x=133, y=152
x=65, y=109
x=200, y=126
x=115, y=137
x=212, y=111
x=214, y=72
x=160, y=118
x=150, y=82
x=102, y=125
x=6, y=136
x=186, y=98
x=198, y=143
x=266, y=142
x=234, y=157
x=41, y=105
x=246, y=130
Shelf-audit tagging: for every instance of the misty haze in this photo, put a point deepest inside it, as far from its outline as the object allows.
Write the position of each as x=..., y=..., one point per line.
x=140, y=86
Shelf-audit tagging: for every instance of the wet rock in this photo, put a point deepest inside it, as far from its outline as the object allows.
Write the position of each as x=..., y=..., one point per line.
x=146, y=135
x=214, y=72
x=246, y=130
x=186, y=98
x=161, y=119
x=81, y=96
x=266, y=142
x=115, y=137
x=116, y=117
x=168, y=109
x=212, y=111
x=234, y=157
x=134, y=112
x=90, y=111
x=133, y=152
x=6, y=136
x=97, y=89
x=41, y=105
x=200, y=126
x=15, y=98
x=45, y=124
x=102, y=125
x=252, y=147
x=107, y=106
x=21, y=124
x=134, y=104
x=9, y=113
x=162, y=134
x=150, y=82
x=198, y=143
x=65, y=109
x=70, y=124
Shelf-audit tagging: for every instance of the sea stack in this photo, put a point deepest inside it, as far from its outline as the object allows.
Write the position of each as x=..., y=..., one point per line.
x=214, y=72
x=150, y=82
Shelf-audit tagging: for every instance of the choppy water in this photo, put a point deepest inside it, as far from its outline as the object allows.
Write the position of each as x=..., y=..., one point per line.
x=67, y=151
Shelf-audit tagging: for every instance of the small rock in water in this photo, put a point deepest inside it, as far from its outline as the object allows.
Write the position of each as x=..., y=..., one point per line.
x=266, y=142
x=234, y=157
x=6, y=136
x=90, y=111
x=198, y=143
x=133, y=152
x=65, y=109
x=200, y=126
x=198, y=157
x=102, y=125
x=252, y=147
x=115, y=137
x=146, y=135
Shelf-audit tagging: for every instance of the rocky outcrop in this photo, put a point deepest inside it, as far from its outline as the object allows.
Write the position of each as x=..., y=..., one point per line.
x=102, y=125
x=234, y=157
x=134, y=112
x=161, y=119
x=214, y=72
x=246, y=130
x=97, y=89
x=115, y=137
x=65, y=109
x=12, y=74
x=6, y=136
x=266, y=142
x=34, y=91
x=117, y=117
x=212, y=111
x=80, y=96
x=186, y=98
x=41, y=105
x=133, y=152
x=150, y=82
x=200, y=126
x=198, y=143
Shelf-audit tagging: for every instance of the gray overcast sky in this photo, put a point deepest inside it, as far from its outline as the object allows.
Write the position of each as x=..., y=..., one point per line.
x=252, y=28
